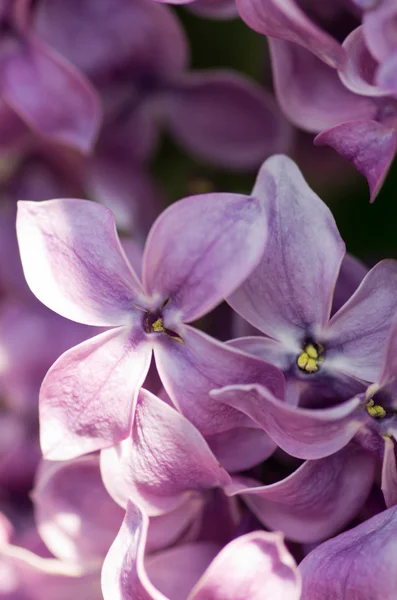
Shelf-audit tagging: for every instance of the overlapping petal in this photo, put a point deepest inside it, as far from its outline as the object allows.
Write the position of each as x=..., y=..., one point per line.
x=290, y=292
x=358, y=73
x=317, y=500
x=201, y=248
x=304, y=433
x=49, y=95
x=359, y=563
x=225, y=119
x=87, y=397
x=73, y=261
x=162, y=462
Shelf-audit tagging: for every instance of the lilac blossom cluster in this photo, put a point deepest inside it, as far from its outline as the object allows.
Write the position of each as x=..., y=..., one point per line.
x=199, y=400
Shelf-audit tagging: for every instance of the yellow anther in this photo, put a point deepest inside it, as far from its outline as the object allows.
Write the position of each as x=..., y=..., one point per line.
x=311, y=351
x=310, y=358
x=302, y=360
x=375, y=410
x=158, y=325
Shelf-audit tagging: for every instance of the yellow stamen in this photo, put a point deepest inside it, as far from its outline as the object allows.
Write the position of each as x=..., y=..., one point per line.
x=158, y=325
x=310, y=358
x=375, y=410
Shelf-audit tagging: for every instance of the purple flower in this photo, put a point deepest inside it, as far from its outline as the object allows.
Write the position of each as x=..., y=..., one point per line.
x=255, y=566
x=360, y=563
x=197, y=252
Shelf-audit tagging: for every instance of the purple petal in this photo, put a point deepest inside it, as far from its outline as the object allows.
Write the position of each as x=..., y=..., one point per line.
x=301, y=432
x=73, y=261
x=256, y=566
x=291, y=289
x=208, y=364
x=225, y=119
x=64, y=495
x=369, y=145
x=162, y=462
x=214, y=9
x=379, y=28
x=88, y=395
x=358, y=564
x=387, y=74
x=389, y=472
x=389, y=369
x=351, y=274
x=359, y=69
x=310, y=92
x=241, y=448
x=265, y=348
x=284, y=19
x=357, y=334
x=50, y=96
x=201, y=248
x=334, y=487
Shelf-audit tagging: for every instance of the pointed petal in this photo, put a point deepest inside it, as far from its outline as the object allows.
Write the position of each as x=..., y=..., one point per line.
x=162, y=462
x=360, y=563
x=88, y=395
x=123, y=572
x=284, y=19
x=205, y=363
x=334, y=487
x=50, y=95
x=357, y=334
x=351, y=274
x=224, y=118
x=291, y=289
x=201, y=248
x=369, y=145
x=257, y=566
x=73, y=261
x=310, y=92
x=301, y=432
x=63, y=497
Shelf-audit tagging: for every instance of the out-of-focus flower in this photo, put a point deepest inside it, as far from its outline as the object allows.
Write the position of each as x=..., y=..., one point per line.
x=255, y=566
x=198, y=251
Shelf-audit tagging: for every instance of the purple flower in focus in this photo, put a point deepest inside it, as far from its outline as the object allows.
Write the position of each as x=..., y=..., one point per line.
x=197, y=252
x=255, y=566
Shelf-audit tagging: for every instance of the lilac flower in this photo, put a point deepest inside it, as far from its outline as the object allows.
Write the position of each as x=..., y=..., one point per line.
x=253, y=566
x=143, y=81
x=288, y=296
x=197, y=252
x=41, y=91
x=360, y=563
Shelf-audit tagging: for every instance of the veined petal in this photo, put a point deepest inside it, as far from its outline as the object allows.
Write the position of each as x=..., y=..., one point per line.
x=334, y=487
x=255, y=566
x=64, y=496
x=226, y=119
x=358, y=564
x=369, y=145
x=304, y=433
x=357, y=334
x=73, y=261
x=163, y=460
x=50, y=95
x=284, y=19
x=205, y=363
x=201, y=248
x=310, y=92
x=290, y=291
x=87, y=397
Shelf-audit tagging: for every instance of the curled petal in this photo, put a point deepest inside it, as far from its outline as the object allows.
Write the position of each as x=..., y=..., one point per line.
x=205, y=363
x=284, y=19
x=389, y=472
x=291, y=289
x=49, y=95
x=226, y=119
x=304, y=433
x=63, y=499
x=360, y=562
x=87, y=397
x=310, y=92
x=334, y=487
x=379, y=27
x=73, y=261
x=369, y=145
x=162, y=462
x=357, y=334
x=201, y=248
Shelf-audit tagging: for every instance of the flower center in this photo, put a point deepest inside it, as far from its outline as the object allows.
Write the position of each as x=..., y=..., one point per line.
x=153, y=322
x=311, y=357
x=375, y=410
